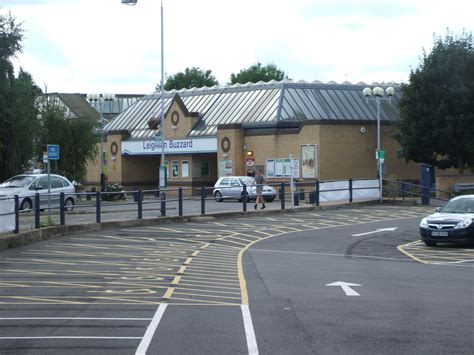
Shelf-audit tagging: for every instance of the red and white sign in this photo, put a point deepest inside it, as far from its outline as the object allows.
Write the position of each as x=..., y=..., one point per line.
x=250, y=161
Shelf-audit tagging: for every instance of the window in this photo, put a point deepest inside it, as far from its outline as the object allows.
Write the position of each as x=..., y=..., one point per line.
x=225, y=182
x=201, y=168
x=42, y=183
x=56, y=182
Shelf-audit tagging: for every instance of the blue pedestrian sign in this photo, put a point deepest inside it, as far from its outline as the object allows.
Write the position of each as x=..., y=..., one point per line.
x=53, y=151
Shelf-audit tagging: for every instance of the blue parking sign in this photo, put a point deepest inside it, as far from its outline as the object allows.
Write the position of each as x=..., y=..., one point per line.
x=53, y=151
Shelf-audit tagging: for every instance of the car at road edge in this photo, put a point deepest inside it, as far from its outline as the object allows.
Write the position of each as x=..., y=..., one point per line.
x=27, y=185
x=452, y=223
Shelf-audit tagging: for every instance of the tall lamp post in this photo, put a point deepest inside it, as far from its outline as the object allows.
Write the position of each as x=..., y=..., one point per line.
x=379, y=94
x=161, y=137
x=99, y=100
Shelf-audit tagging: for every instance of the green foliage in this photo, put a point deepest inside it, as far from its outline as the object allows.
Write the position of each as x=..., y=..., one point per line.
x=18, y=116
x=194, y=77
x=256, y=73
x=75, y=136
x=437, y=106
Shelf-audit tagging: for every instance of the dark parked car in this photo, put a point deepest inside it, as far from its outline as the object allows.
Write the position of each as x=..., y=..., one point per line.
x=27, y=185
x=452, y=223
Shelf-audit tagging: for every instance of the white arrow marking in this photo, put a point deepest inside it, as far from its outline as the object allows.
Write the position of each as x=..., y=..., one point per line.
x=376, y=231
x=346, y=287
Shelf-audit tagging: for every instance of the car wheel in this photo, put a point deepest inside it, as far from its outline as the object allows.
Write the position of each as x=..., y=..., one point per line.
x=430, y=243
x=26, y=204
x=270, y=199
x=218, y=196
x=69, y=205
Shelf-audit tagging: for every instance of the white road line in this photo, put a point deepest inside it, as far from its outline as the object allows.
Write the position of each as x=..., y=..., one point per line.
x=72, y=318
x=68, y=337
x=249, y=332
x=150, y=331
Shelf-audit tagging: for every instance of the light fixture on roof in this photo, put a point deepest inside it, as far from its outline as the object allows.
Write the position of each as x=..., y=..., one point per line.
x=379, y=94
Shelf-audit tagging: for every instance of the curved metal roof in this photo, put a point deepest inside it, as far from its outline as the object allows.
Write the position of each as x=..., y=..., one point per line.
x=254, y=104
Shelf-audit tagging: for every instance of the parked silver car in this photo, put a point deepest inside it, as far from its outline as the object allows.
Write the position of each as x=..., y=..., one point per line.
x=231, y=187
x=27, y=185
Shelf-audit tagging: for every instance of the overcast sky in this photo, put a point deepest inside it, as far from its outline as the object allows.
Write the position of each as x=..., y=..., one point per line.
x=104, y=46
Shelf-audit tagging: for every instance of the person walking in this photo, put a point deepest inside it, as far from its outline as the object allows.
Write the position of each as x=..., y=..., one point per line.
x=260, y=180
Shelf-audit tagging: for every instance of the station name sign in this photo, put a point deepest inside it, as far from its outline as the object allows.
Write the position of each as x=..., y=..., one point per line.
x=171, y=146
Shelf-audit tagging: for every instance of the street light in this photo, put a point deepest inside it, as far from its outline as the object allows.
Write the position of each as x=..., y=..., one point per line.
x=379, y=94
x=99, y=99
x=161, y=137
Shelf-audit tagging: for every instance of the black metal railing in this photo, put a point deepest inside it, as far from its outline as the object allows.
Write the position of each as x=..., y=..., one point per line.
x=146, y=203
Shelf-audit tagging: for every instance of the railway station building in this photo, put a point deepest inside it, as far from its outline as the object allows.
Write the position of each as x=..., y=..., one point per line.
x=310, y=130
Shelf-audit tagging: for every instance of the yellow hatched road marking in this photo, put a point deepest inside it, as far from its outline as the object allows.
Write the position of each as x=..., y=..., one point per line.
x=401, y=248
x=200, y=277
x=41, y=261
x=213, y=285
x=168, y=293
x=198, y=302
x=205, y=295
x=176, y=280
x=222, y=266
x=207, y=291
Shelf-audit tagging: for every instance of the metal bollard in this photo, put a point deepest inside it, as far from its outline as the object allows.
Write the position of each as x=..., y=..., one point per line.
x=203, y=200
x=97, y=207
x=17, y=214
x=163, y=203
x=296, y=198
x=180, y=201
x=282, y=195
x=244, y=198
x=316, y=197
x=62, y=210
x=37, y=210
x=139, y=199
x=350, y=190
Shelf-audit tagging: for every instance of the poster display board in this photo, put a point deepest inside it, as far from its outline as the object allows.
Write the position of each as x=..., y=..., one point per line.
x=185, y=169
x=282, y=168
x=225, y=167
x=308, y=161
x=175, y=169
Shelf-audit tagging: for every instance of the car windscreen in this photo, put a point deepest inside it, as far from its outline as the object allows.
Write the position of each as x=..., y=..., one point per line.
x=18, y=181
x=247, y=181
x=462, y=205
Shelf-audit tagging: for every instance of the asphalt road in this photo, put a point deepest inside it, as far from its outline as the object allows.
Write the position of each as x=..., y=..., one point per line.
x=259, y=284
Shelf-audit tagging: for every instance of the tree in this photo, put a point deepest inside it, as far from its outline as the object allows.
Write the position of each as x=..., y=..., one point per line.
x=18, y=120
x=256, y=73
x=75, y=137
x=194, y=77
x=437, y=106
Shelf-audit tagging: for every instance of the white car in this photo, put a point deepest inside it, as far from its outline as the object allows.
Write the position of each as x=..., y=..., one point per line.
x=27, y=185
x=231, y=187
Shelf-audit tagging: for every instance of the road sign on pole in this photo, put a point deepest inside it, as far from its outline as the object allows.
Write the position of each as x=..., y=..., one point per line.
x=53, y=151
x=380, y=154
